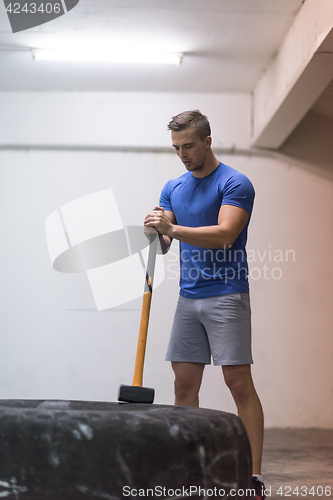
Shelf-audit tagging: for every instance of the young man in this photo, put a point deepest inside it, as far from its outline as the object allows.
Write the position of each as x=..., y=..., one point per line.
x=208, y=210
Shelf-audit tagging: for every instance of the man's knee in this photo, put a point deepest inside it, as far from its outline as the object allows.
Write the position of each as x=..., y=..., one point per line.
x=188, y=378
x=239, y=381
x=184, y=388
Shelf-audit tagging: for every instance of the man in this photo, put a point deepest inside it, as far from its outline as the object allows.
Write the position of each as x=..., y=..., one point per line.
x=208, y=210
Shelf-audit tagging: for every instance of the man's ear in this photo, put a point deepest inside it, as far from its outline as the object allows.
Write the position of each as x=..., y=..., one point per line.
x=208, y=141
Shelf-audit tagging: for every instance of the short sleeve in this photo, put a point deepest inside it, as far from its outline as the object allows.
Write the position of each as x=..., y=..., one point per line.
x=165, y=201
x=239, y=191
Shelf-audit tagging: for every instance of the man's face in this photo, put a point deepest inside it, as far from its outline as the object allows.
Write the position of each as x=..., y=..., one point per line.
x=191, y=149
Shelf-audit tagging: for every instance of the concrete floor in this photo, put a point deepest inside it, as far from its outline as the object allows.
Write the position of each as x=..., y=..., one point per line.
x=298, y=457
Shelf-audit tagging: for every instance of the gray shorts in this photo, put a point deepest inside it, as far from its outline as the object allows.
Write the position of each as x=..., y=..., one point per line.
x=217, y=327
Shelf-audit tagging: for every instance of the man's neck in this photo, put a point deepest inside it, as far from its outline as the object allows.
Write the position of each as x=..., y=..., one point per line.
x=210, y=165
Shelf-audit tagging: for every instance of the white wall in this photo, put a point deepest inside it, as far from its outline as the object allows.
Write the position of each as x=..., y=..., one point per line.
x=54, y=344
x=311, y=142
x=126, y=119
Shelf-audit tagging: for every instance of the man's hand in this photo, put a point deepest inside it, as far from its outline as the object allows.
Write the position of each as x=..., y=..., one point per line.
x=149, y=231
x=159, y=220
x=231, y=221
x=156, y=221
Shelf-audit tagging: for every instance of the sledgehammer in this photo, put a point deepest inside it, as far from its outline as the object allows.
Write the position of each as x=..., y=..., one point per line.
x=135, y=393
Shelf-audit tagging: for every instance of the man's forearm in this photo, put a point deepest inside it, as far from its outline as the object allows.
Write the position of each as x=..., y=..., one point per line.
x=165, y=243
x=231, y=221
x=204, y=237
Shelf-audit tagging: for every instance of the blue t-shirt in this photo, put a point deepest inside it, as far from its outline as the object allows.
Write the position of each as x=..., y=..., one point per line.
x=196, y=202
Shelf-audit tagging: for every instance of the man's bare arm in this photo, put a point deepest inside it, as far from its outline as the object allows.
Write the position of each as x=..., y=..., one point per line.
x=231, y=221
x=165, y=240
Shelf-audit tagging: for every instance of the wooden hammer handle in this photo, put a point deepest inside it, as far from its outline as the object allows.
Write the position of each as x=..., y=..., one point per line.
x=140, y=353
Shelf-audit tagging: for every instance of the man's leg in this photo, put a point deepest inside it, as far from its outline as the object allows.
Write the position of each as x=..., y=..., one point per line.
x=188, y=378
x=239, y=380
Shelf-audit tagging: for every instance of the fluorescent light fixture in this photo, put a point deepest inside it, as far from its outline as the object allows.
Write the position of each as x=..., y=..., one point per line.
x=105, y=56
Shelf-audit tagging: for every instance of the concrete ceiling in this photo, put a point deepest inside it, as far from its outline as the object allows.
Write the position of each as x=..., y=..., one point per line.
x=227, y=45
x=279, y=50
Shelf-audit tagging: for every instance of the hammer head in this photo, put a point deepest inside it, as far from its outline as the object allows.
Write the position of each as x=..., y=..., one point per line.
x=136, y=394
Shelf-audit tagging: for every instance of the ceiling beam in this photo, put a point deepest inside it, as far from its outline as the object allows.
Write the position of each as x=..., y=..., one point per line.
x=296, y=77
